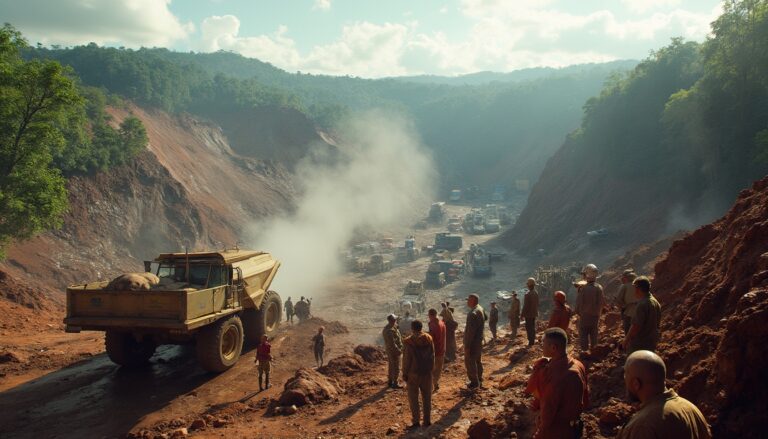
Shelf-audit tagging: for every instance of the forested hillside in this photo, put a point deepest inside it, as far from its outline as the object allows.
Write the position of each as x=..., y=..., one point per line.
x=668, y=146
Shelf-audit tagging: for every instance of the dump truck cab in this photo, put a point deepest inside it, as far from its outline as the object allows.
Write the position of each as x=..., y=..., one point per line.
x=216, y=300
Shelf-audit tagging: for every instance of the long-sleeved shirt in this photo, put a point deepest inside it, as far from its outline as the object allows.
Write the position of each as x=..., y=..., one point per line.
x=319, y=341
x=564, y=395
x=393, y=341
x=437, y=331
x=626, y=299
x=514, y=309
x=560, y=318
x=473, y=331
x=590, y=300
x=530, y=305
x=494, y=317
x=419, y=358
x=667, y=415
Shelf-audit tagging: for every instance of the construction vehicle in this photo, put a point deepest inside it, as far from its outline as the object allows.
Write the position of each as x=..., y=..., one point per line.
x=452, y=269
x=455, y=195
x=478, y=261
x=378, y=264
x=492, y=225
x=216, y=300
x=504, y=217
x=436, y=212
x=413, y=300
x=435, y=277
x=448, y=241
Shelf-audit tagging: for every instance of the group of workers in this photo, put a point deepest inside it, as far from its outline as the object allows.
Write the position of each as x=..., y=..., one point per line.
x=558, y=381
x=301, y=309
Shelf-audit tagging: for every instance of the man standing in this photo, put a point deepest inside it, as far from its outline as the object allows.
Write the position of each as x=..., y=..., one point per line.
x=530, y=310
x=644, y=332
x=450, y=332
x=437, y=331
x=288, y=310
x=318, y=346
x=393, y=344
x=493, y=320
x=418, y=363
x=473, y=342
x=302, y=309
x=514, y=316
x=264, y=360
x=563, y=389
x=626, y=299
x=662, y=413
x=561, y=313
x=589, y=306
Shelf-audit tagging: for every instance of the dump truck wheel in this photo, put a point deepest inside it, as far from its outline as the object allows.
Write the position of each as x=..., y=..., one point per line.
x=123, y=349
x=269, y=314
x=219, y=345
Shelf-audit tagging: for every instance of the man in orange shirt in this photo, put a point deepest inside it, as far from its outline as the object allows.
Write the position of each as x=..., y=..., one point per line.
x=561, y=314
x=437, y=331
x=563, y=388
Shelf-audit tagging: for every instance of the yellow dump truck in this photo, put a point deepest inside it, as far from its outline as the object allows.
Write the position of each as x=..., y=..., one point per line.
x=216, y=300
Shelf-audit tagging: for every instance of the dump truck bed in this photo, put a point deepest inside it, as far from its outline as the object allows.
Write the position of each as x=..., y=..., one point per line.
x=91, y=307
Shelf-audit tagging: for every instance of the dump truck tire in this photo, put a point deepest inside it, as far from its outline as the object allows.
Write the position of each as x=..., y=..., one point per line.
x=123, y=349
x=219, y=345
x=269, y=315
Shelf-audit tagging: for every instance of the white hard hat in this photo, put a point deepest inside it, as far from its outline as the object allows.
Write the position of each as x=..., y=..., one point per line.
x=590, y=271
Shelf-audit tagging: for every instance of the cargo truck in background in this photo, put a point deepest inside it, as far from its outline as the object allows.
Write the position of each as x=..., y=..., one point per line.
x=215, y=300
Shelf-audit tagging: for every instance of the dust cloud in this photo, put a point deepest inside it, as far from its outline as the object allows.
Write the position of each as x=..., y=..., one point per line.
x=382, y=178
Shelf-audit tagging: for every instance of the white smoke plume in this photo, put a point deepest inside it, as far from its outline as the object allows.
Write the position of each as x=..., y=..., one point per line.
x=384, y=179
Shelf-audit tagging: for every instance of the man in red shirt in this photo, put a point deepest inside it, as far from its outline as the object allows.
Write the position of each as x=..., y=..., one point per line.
x=563, y=390
x=438, y=331
x=561, y=314
x=264, y=360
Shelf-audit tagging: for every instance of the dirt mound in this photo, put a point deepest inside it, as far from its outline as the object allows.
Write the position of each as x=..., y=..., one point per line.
x=370, y=353
x=713, y=288
x=309, y=387
x=24, y=294
x=347, y=364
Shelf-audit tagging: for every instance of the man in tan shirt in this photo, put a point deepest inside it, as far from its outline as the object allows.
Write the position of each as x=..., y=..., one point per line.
x=589, y=305
x=626, y=300
x=662, y=413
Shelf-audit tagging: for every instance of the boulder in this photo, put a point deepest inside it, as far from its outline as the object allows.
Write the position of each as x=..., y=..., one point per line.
x=309, y=386
x=370, y=353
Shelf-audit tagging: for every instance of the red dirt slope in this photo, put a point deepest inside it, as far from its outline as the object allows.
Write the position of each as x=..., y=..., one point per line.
x=713, y=287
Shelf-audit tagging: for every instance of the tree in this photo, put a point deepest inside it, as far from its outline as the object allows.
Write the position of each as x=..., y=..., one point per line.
x=36, y=98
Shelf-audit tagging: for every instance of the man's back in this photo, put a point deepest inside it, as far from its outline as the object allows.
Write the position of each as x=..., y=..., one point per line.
x=473, y=332
x=667, y=416
x=647, y=318
x=531, y=305
x=564, y=396
x=589, y=302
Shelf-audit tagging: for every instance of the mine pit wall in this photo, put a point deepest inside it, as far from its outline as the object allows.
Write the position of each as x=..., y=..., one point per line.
x=188, y=189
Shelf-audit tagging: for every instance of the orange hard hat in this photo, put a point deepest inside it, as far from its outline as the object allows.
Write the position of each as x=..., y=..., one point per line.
x=560, y=297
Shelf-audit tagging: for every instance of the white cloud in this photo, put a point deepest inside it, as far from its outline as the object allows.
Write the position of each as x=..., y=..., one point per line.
x=364, y=49
x=322, y=5
x=643, y=6
x=502, y=35
x=131, y=23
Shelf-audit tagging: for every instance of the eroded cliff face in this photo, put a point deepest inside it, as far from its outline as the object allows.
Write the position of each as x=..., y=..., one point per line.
x=188, y=189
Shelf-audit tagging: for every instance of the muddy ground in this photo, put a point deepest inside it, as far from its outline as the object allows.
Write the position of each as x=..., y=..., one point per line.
x=63, y=385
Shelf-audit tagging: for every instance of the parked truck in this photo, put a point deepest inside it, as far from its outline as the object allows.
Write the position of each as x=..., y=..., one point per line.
x=448, y=241
x=215, y=300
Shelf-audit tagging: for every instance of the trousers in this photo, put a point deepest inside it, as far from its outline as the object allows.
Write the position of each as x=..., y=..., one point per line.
x=420, y=384
x=437, y=371
x=473, y=361
x=394, y=366
x=588, y=337
x=530, y=329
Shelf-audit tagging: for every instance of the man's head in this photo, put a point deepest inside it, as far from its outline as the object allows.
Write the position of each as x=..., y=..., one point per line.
x=590, y=272
x=320, y=329
x=554, y=342
x=642, y=286
x=443, y=305
x=493, y=304
x=628, y=276
x=432, y=313
x=644, y=375
x=416, y=326
x=391, y=319
x=530, y=283
x=289, y=297
x=472, y=300
x=264, y=339
x=559, y=297
x=302, y=297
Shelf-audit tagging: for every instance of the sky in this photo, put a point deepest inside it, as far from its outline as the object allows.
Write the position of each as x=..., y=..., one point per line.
x=375, y=38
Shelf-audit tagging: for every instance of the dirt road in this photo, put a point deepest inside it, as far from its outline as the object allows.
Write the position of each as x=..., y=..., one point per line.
x=95, y=398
